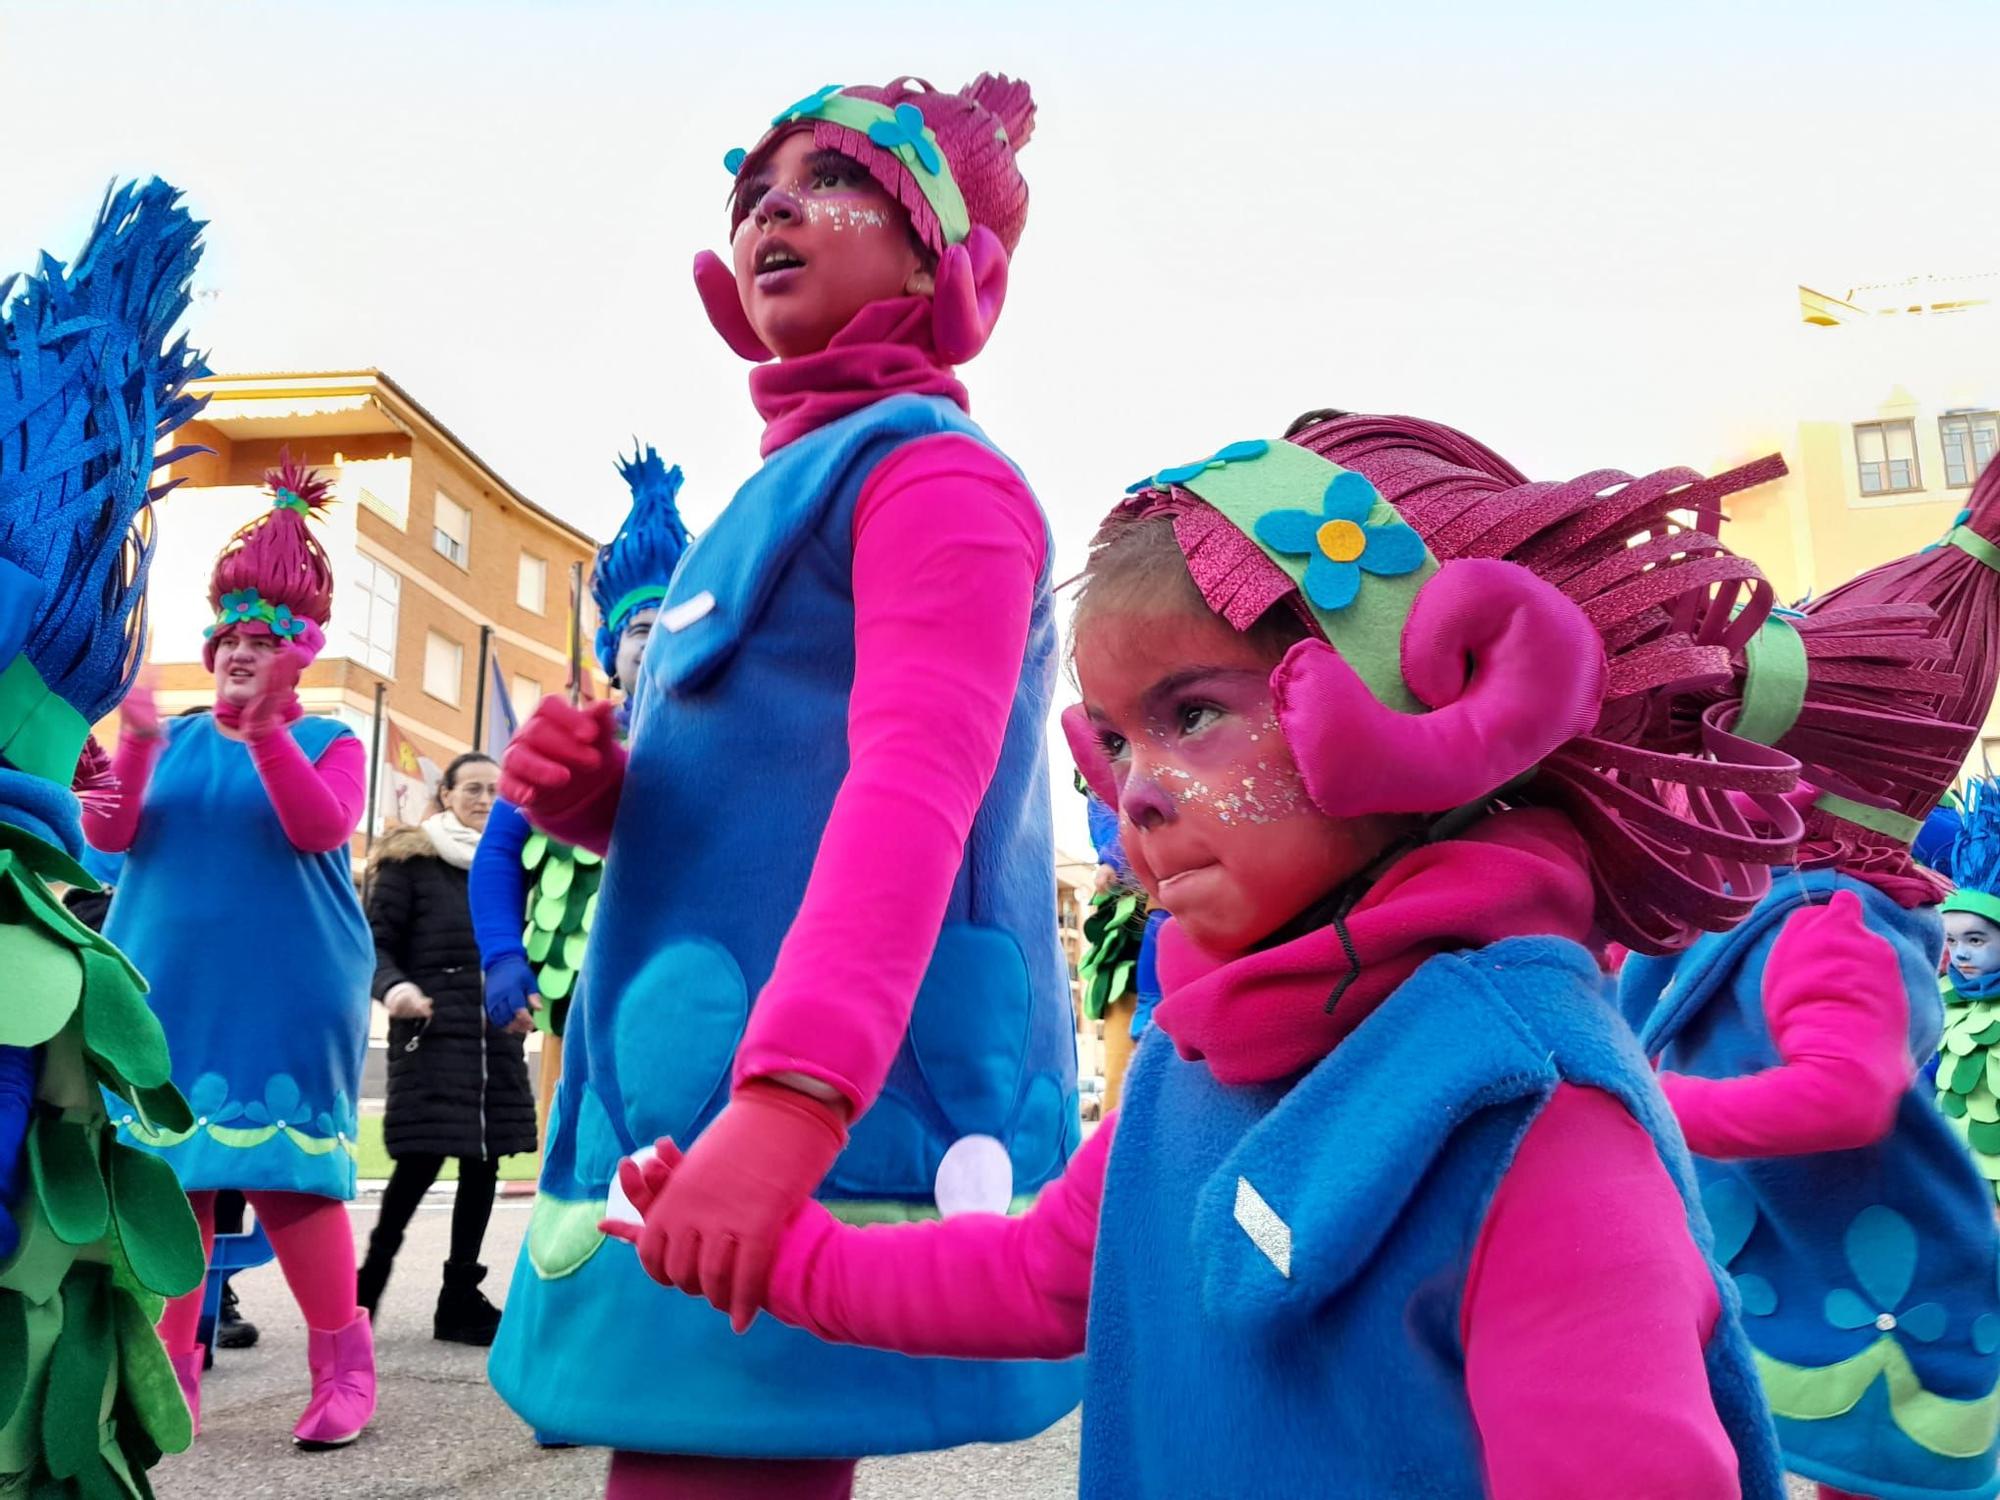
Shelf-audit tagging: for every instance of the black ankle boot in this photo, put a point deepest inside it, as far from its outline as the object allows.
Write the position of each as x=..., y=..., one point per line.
x=464, y=1316
x=232, y=1329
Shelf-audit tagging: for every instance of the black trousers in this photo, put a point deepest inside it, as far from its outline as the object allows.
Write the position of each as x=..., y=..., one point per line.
x=478, y=1181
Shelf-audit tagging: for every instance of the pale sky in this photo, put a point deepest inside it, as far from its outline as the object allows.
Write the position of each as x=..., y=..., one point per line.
x=1573, y=229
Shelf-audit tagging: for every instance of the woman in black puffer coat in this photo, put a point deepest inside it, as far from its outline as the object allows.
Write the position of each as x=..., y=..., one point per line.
x=458, y=1087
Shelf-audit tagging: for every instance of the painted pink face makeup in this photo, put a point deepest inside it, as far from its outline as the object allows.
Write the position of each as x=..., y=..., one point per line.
x=820, y=240
x=1214, y=816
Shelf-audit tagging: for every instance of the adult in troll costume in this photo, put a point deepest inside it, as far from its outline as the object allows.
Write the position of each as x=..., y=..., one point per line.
x=93, y=1234
x=823, y=949
x=1855, y=1221
x=269, y=1055
x=534, y=897
x=1394, y=756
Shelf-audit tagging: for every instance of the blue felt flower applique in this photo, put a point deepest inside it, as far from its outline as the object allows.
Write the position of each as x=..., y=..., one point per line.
x=809, y=105
x=1732, y=1214
x=239, y=606
x=1342, y=542
x=907, y=130
x=1881, y=1250
x=284, y=623
x=733, y=159
x=1233, y=453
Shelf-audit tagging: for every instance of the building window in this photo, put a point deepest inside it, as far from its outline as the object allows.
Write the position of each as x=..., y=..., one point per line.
x=375, y=597
x=444, y=667
x=1970, y=438
x=527, y=696
x=1887, y=455
x=451, y=529
x=531, y=588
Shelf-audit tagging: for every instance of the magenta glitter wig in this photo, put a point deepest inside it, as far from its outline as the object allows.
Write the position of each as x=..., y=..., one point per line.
x=275, y=565
x=980, y=129
x=1683, y=820
x=1901, y=668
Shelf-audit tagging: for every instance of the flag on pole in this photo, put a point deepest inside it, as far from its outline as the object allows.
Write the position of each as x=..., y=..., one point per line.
x=500, y=720
x=413, y=777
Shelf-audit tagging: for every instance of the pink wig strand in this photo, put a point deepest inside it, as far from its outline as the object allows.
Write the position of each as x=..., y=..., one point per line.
x=980, y=129
x=277, y=553
x=1902, y=666
x=1672, y=852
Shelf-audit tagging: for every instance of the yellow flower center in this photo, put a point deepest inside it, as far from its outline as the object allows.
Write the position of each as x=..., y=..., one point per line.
x=1343, y=541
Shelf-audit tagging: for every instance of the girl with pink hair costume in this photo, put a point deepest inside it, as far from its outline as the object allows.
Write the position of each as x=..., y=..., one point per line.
x=1848, y=1208
x=1393, y=1205
x=822, y=950
x=268, y=1051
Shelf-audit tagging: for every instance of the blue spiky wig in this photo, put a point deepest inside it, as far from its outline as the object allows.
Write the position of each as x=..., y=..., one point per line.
x=88, y=387
x=1975, y=853
x=633, y=568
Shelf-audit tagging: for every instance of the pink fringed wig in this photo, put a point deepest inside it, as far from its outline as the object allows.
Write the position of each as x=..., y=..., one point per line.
x=1476, y=640
x=273, y=577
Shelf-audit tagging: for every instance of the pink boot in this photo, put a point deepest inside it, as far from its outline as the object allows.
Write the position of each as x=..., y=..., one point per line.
x=343, y=1376
x=187, y=1370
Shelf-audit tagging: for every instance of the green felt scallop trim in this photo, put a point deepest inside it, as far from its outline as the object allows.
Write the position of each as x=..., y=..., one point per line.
x=120, y=1031
x=78, y=1372
x=44, y=859
x=44, y=982
x=1953, y=1429
x=156, y=1227
x=148, y=1379
x=62, y=1157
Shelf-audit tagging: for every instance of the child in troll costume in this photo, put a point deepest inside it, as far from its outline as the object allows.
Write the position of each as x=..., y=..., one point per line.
x=1401, y=1212
x=828, y=958
x=1855, y=1222
x=93, y=1234
x=534, y=898
x=1967, y=1073
x=1119, y=969
x=271, y=797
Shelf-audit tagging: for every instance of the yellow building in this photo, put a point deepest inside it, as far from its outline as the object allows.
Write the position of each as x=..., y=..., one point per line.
x=1893, y=409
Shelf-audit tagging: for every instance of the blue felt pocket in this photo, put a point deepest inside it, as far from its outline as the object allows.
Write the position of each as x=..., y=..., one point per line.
x=678, y=1026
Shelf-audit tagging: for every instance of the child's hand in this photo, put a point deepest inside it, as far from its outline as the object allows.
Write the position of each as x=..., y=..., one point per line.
x=559, y=758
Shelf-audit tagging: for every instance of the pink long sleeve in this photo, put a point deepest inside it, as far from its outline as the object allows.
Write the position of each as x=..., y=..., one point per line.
x=112, y=823
x=979, y=1286
x=1586, y=1311
x=318, y=803
x=948, y=543
x=1841, y=1018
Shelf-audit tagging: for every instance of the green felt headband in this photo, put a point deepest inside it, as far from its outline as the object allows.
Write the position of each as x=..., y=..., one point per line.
x=1898, y=826
x=1774, y=682
x=1971, y=542
x=39, y=732
x=1357, y=563
x=900, y=131
x=634, y=600
x=1977, y=902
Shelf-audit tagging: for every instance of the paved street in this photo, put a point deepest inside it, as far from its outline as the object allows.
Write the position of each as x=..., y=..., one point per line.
x=442, y=1432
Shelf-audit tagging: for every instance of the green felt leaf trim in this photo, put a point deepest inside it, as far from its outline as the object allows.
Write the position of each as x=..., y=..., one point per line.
x=1953, y=1429
x=164, y=1108
x=13, y=1353
x=44, y=859
x=533, y=850
x=41, y=1260
x=44, y=985
x=63, y=1158
x=79, y=1370
x=155, y=1225
x=148, y=1379
x=556, y=877
x=554, y=982
x=538, y=941
x=120, y=1030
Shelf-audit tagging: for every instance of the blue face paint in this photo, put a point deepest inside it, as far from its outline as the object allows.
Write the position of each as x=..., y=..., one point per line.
x=1971, y=944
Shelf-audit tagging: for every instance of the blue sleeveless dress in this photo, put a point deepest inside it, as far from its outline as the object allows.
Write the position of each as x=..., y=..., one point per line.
x=258, y=958
x=737, y=749
x=1868, y=1276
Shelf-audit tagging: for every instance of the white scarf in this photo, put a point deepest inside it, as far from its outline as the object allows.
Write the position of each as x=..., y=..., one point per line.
x=454, y=842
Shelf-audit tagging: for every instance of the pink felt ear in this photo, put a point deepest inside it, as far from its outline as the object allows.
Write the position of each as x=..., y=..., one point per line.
x=1510, y=668
x=717, y=285
x=1087, y=750
x=971, y=289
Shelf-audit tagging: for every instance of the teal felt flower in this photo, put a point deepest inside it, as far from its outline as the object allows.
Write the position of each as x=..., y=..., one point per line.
x=1342, y=542
x=733, y=159
x=1881, y=1250
x=286, y=624
x=1234, y=453
x=290, y=500
x=810, y=105
x=239, y=606
x=907, y=131
x=1732, y=1214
